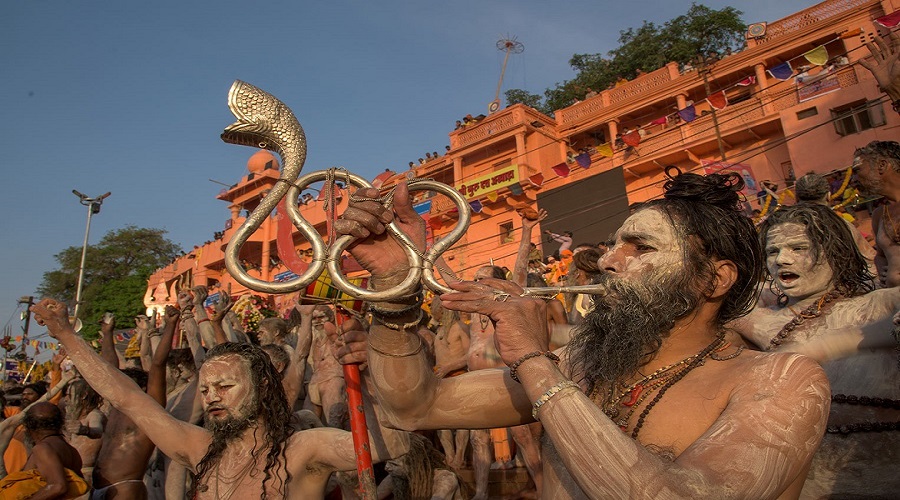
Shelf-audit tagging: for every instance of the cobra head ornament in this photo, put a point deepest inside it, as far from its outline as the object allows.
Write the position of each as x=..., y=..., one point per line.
x=266, y=122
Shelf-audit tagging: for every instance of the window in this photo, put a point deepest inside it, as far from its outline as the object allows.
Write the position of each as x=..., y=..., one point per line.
x=857, y=116
x=506, y=233
x=806, y=113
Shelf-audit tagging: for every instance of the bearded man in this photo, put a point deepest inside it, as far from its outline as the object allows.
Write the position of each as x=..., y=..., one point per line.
x=649, y=398
x=828, y=310
x=879, y=174
x=248, y=448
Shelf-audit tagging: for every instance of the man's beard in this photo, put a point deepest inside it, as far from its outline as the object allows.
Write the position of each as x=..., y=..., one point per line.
x=628, y=324
x=230, y=427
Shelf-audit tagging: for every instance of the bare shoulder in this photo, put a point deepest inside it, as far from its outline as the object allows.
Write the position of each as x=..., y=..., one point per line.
x=312, y=450
x=761, y=375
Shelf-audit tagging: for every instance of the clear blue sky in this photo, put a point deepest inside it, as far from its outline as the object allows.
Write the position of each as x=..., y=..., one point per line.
x=130, y=97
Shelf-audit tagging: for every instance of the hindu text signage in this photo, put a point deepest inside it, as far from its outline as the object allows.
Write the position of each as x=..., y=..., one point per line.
x=818, y=85
x=493, y=181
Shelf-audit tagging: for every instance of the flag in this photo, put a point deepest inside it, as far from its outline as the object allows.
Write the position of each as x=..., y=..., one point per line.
x=562, y=169
x=851, y=33
x=583, y=159
x=718, y=100
x=688, y=114
x=817, y=56
x=605, y=150
x=746, y=82
x=476, y=206
x=890, y=20
x=632, y=138
x=435, y=223
x=516, y=189
x=492, y=196
x=781, y=72
x=660, y=121
x=537, y=180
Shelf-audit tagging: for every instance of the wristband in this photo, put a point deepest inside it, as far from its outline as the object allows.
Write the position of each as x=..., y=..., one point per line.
x=553, y=391
x=515, y=366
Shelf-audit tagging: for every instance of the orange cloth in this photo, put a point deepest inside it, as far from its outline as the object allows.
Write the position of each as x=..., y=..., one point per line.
x=16, y=454
x=10, y=411
x=502, y=450
x=22, y=485
x=55, y=377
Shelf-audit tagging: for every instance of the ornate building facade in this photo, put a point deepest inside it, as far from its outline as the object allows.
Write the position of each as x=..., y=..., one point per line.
x=795, y=100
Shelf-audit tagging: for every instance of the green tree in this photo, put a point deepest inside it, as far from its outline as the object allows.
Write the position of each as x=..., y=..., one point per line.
x=115, y=274
x=700, y=31
x=517, y=96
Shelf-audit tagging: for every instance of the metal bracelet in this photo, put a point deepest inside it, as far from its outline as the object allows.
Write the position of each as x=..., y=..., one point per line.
x=399, y=328
x=553, y=391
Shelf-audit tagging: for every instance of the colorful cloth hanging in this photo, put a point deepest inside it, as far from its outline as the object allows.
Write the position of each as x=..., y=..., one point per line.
x=688, y=114
x=718, y=100
x=561, y=170
x=660, y=121
x=476, y=206
x=584, y=160
x=537, y=180
x=605, y=150
x=516, y=189
x=817, y=56
x=890, y=20
x=632, y=138
x=746, y=82
x=492, y=196
x=781, y=72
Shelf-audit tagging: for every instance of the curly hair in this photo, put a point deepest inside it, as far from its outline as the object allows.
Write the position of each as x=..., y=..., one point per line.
x=829, y=237
x=272, y=410
x=811, y=187
x=887, y=150
x=706, y=211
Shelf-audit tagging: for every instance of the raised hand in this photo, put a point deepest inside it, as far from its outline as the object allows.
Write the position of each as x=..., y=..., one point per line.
x=375, y=249
x=529, y=223
x=54, y=315
x=200, y=294
x=520, y=323
x=885, y=63
x=185, y=299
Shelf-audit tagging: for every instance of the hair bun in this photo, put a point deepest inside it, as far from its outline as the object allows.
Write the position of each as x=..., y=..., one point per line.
x=719, y=189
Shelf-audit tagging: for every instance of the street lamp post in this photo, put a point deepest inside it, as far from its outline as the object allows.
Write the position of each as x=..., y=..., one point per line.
x=93, y=205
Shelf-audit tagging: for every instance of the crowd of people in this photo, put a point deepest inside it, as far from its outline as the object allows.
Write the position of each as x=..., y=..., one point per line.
x=709, y=357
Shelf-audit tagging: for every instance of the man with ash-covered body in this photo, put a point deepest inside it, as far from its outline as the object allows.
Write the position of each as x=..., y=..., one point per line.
x=701, y=416
x=249, y=448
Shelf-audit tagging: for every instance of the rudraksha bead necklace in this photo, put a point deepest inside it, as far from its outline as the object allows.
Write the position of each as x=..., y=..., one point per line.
x=814, y=310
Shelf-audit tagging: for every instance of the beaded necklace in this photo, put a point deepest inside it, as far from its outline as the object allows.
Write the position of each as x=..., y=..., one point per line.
x=660, y=380
x=812, y=311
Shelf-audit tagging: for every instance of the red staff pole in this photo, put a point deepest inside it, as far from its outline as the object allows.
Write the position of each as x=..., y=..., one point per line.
x=358, y=426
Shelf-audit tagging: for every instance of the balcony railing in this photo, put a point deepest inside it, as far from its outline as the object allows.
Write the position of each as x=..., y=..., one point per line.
x=810, y=16
x=485, y=128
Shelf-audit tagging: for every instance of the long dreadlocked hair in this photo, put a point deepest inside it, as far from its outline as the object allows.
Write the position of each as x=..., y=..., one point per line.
x=81, y=398
x=830, y=238
x=419, y=463
x=272, y=408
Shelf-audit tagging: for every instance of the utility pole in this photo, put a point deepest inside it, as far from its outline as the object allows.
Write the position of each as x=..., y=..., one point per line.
x=93, y=205
x=704, y=66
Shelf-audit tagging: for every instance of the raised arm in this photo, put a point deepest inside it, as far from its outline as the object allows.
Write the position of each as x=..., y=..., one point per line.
x=412, y=396
x=296, y=370
x=207, y=333
x=107, y=341
x=222, y=307
x=156, y=378
x=190, y=327
x=183, y=442
x=520, y=270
